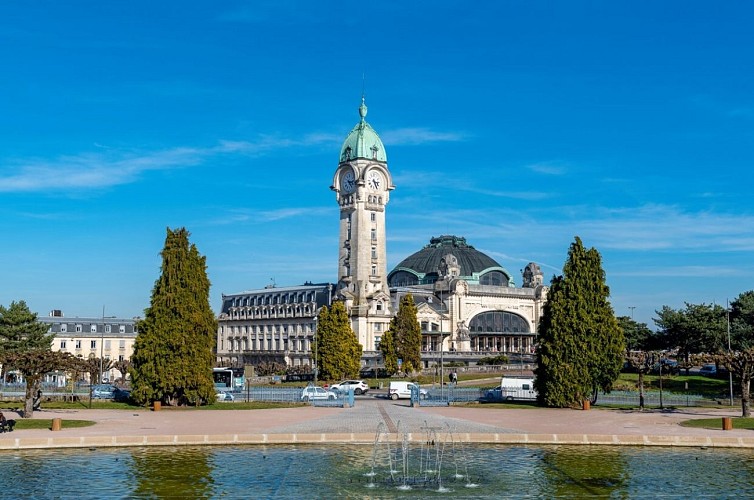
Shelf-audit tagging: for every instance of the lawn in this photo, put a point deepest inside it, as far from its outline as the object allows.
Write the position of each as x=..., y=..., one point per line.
x=705, y=386
x=716, y=423
x=44, y=423
x=112, y=405
x=99, y=404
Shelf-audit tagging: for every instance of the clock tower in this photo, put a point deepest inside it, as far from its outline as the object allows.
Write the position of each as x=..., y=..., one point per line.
x=362, y=186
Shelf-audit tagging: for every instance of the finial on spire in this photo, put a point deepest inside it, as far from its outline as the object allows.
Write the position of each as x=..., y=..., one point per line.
x=362, y=109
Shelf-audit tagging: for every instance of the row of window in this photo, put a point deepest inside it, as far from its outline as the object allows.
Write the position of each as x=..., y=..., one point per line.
x=244, y=312
x=92, y=328
x=268, y=344
x=305, y=329
x=92, y=344
x=274, y=299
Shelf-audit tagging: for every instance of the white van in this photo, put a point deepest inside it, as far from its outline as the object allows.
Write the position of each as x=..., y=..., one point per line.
x=512, y=388
x=402, y=390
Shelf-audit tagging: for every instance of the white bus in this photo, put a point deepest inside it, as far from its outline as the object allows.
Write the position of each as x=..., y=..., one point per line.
x=228, y=379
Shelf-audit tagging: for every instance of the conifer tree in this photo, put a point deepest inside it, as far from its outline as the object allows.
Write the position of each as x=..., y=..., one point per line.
x=581, y=345
x=338, y=349
x=25, y=345
x=173, y=353
x=387, y=348
x=406, y=335
x=20, y=330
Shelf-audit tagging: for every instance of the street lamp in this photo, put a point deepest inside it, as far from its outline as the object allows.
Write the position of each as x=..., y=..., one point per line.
x=102, y=345
x=314, y=337
x=632, y=311
x=730, y=373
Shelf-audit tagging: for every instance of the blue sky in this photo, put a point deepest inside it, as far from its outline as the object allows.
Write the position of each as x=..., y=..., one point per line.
x=518, y=125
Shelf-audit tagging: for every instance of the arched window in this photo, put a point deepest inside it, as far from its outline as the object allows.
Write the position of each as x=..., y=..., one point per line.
x=494, y=278
x=403, y=278
x=499, y=322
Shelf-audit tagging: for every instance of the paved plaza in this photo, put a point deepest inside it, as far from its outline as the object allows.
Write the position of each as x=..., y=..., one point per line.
x=361, y=423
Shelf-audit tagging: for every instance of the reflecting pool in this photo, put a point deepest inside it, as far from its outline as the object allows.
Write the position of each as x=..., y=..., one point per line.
x=304, y=471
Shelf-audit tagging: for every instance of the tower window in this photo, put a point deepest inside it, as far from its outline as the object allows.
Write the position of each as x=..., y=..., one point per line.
x=374, y=270
x=374, y=252
x=374, y=235
x=373, y=216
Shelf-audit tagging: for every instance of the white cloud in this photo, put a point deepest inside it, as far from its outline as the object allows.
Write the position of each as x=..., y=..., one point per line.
x=416, y=136
x=547, y=168
x=110, y=167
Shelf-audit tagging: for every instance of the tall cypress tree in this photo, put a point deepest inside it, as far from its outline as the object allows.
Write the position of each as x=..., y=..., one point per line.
x=406, y=335
x=338, y=349
x=173, y=353
x=387, y=348
x=580, y=342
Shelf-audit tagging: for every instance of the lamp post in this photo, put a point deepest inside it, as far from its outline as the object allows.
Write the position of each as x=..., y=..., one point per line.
x=102, y=345
x=442, y=341
x=730, y=373
x=632, y=311
x=314, y=337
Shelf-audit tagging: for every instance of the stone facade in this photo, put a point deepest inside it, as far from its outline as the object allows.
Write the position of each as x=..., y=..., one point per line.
x=107, y=338
x=273, y=324
x=468, y=305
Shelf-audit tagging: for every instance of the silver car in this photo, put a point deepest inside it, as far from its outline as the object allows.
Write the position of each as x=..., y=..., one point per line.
x=313, y=392
x=358, y=386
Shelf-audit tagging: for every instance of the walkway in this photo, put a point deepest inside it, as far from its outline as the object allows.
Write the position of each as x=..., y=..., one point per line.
x=359, y=425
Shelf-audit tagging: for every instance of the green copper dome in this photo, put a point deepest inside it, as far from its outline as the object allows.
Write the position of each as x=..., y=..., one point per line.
x=423, y=267
x=363, y=141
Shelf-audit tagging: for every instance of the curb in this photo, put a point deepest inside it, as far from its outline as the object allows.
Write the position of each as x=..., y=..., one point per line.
x=368, y=439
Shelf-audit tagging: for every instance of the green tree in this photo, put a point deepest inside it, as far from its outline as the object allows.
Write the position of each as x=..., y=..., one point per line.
x=698, y=328
x=742, y=321
x=387, y=347
x=581, y=346
x=637, y=335
x=24, y=346
x=20, y=330
x=406, y=335
x=173, y=353
x=338, y=349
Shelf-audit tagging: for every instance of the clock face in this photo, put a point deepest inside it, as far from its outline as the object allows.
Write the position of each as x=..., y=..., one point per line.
x=348, y=182
x=374, y=180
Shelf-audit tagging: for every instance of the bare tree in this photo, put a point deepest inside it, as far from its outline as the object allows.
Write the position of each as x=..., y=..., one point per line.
x=741, y=365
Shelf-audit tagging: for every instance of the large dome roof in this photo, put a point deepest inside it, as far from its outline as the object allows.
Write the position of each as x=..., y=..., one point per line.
x=363, y=141
x=425, y=263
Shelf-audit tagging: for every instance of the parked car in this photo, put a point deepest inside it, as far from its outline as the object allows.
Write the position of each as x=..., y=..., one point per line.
x=224, y=396
x=671, y=366
x=121, y=395
x=708, y=370
x=103, y=391
x=358, y=386
x=313, y=392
